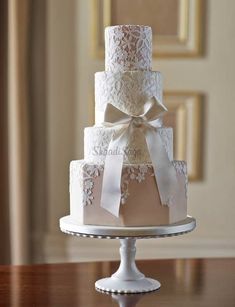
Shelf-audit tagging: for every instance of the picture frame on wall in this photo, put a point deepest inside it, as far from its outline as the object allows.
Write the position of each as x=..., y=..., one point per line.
x=185, y=117
x=176, y=24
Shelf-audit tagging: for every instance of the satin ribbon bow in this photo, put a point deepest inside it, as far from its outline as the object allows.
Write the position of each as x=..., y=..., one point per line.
x=147, y=123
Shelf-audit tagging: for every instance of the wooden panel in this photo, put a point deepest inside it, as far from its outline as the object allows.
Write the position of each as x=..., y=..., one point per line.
x=38, y=125
x=4, y=216
x=128, y=12
x=176, y=24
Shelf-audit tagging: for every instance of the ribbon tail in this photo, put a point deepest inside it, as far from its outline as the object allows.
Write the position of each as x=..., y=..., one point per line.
x=164, y=170
x=111, y=185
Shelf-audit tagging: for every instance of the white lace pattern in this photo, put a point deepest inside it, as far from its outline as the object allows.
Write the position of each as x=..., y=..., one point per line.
x=97, y=139
x=87, y=172
x=181, y=168
x=128, y=91
x=128, y=47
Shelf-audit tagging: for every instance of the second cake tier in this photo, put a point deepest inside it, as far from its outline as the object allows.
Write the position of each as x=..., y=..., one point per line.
x=97, y=139
x=127, y=91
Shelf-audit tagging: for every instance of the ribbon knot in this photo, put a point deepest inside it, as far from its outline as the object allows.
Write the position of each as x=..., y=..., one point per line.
x=137, y=121
x=147, y=123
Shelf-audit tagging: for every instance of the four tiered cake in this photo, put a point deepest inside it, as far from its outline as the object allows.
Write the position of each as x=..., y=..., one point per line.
x=128, y=176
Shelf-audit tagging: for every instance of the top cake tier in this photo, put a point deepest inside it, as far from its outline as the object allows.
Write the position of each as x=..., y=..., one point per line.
x=128, y=47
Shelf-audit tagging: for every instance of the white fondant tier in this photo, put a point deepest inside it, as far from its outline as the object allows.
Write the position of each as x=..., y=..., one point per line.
x=97, y=139
x=128, y=91
x=140, y=201
x=128, y=47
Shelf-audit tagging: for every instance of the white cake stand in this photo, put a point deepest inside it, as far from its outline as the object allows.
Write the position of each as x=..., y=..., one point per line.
x=127, y=279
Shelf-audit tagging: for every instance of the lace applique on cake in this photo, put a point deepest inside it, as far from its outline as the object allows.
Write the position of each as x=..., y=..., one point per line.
x=97, y=139
x=128, y=48
x=83, y=174
x=86, y=173
x=128, y=91
x=181, y=168
x=89, y=172
x=138, y=173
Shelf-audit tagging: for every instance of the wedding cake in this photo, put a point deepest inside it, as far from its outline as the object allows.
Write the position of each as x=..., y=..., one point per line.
x=128, y=176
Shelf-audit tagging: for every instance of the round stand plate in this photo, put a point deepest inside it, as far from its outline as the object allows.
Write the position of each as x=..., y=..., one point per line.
x=70, y=226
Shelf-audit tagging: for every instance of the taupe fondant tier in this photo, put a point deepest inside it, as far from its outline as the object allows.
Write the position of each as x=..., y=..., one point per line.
x=140, y=202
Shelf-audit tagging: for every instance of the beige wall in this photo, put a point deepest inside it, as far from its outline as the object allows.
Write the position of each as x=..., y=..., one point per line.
x=70, y=73
x=211, y=200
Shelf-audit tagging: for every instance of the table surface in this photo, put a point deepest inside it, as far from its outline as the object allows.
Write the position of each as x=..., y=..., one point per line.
x=192, y=282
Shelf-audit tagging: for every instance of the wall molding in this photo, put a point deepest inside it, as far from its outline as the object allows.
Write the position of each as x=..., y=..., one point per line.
x=63, y=248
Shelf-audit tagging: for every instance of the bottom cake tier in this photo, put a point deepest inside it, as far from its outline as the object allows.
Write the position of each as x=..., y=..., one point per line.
x=140, y=201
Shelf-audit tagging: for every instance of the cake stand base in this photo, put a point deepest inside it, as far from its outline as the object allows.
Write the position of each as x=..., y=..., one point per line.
x=128, y=279
x=130, y=286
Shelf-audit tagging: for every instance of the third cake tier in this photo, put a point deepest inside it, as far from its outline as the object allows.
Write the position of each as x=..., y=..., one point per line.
x=97, y=139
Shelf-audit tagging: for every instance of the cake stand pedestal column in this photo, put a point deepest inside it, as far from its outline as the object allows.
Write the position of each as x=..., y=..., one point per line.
x=127, y=279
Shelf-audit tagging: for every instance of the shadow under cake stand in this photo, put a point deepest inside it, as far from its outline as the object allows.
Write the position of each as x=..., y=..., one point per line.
x=127, y=279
